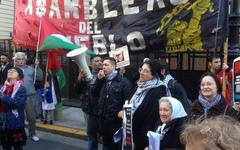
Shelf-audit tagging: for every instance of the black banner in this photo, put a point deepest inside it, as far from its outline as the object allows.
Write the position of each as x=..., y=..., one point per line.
x=172, y=25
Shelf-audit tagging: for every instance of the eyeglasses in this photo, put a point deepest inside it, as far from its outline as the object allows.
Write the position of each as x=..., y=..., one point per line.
x=143, y=71
x=12, y=70
x=206, y=84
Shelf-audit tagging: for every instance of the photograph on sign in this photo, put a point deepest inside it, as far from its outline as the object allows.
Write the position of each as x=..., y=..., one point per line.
x=121, y=55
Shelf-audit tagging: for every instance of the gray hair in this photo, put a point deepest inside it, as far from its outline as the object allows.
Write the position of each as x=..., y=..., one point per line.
x=20, y=54
x=165, y=99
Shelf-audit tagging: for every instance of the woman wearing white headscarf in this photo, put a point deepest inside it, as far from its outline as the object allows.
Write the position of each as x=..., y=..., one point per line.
x=172, y=116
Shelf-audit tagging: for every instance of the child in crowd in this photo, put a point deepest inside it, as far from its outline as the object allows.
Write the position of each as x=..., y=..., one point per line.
x=48, y=102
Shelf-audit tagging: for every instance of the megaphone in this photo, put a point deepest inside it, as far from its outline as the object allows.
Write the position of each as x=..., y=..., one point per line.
x=79, y=56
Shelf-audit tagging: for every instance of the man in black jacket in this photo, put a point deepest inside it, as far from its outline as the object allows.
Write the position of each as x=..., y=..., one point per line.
x=5, y=66
x=112, y=91
x=89, y=102
x=176, y=89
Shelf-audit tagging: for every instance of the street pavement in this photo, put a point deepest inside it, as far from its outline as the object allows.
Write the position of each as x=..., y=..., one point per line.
x=70, y=122
x=49, y=141
x=68, y=132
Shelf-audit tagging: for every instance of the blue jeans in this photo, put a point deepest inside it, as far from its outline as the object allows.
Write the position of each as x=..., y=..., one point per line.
x=92, y=132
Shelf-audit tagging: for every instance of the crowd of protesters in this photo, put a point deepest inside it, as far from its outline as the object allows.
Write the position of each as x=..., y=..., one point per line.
x=159, y=104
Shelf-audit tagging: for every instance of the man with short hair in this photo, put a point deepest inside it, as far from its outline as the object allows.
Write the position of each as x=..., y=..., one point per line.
x=112, y=92
x=215, y=67
x=5, y=66
x=89, y=103
x=175, y=88
x=20, y=59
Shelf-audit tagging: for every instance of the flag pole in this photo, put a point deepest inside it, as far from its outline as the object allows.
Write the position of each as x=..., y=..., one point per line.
x=225, y=59
x=36, y=58
x=46, y=74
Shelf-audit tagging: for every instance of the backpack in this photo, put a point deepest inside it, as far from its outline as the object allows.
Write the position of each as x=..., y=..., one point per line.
x=177, y=91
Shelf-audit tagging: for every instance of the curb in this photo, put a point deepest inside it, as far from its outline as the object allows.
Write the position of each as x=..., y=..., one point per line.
x=65, y=131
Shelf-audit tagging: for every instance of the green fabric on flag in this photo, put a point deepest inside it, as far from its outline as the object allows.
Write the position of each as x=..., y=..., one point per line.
x=91, y=53
x=60, y=77
x=57, y=41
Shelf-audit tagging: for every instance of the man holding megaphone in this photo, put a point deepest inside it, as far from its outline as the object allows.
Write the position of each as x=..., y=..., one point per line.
x=112, y=91
x=89, y=102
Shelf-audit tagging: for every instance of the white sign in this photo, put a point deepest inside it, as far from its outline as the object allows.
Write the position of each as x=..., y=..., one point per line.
x=121, y=55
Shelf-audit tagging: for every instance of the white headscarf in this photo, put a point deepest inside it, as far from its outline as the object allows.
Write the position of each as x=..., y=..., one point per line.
x=177, y=107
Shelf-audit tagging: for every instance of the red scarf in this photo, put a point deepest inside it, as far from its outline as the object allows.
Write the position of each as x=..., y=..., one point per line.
x=9, y=89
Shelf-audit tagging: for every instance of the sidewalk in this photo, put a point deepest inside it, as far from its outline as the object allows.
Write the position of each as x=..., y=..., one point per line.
x=71, y=123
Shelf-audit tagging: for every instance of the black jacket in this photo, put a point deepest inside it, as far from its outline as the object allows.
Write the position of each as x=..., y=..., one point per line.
x=4, y=72
x=178, y=92
x=82, y=89
x=171, y=139
x=146, y=116
x=112, y=95
x=89, y=102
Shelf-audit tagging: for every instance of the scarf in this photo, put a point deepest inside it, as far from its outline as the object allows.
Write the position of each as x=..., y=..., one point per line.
x=177, y=112
x=11, y=90
x=208, y=104
x=167, y=78
x=177, y=108
x=94, y=77
x=162, y=131
x=143, y=88
x=112, y=75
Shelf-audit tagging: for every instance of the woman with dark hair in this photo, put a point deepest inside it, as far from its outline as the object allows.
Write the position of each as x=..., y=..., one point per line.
x=145, y=103
x=13, y=97
x=210, y=102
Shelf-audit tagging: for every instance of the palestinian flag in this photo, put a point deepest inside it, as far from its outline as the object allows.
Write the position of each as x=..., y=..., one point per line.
x=58, y=41
x=53, y=65
x=54, y=68
x=54, y=41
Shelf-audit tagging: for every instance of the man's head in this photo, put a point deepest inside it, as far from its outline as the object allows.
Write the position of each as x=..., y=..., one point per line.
x=4, y=58
x=163, y=67
x=96, y=62
x=214, y=63
x=109, y=65
x=20, y=59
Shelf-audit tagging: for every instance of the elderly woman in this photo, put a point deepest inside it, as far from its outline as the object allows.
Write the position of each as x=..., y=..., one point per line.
x=210, y=102
x=217, y=133
x=173, y=117
x=13, y=97
x=145, y=103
